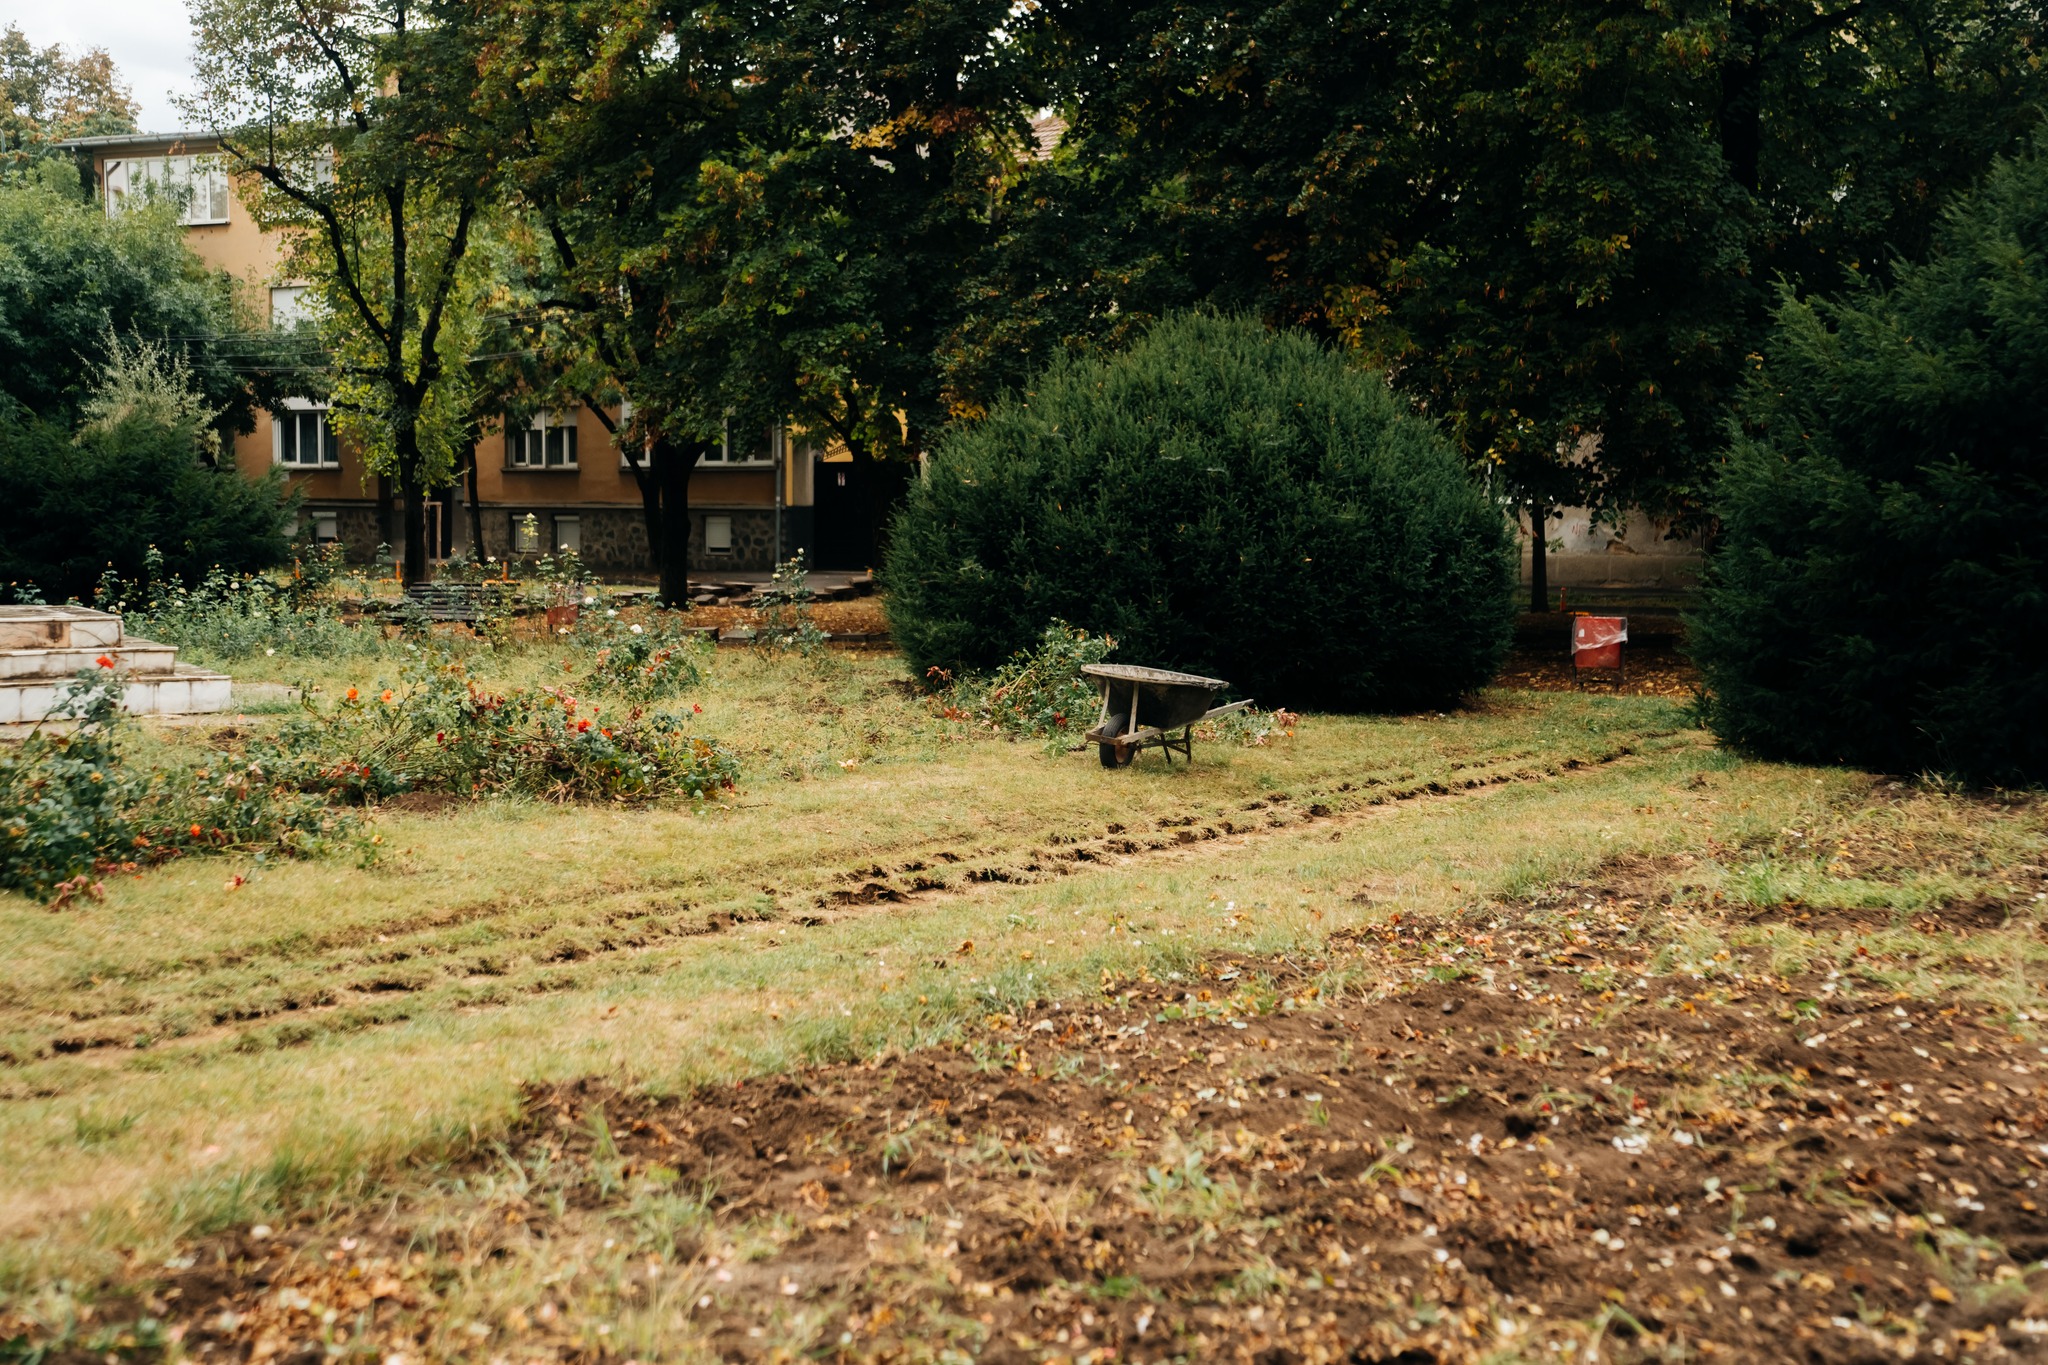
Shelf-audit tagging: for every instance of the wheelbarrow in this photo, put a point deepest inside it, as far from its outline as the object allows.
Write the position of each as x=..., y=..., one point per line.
x=1143, y=706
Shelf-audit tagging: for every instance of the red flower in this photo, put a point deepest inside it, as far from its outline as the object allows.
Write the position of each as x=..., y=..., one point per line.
x=104, y=662
x=581, y=726
x=697, y=708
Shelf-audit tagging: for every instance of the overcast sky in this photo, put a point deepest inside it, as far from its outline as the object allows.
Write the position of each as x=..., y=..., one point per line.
x=151, y=42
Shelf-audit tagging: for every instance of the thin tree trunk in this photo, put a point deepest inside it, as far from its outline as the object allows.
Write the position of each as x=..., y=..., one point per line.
x=1742, y=95
x=673, y=464
x=384, y=508
x=1539, y=557
x=476, y=511
x=415, y=498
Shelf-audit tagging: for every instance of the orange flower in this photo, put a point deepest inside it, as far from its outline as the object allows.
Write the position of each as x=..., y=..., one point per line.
x=195, y=831
x=104, y=662
x=350, y=695
x=386, y=697
x=581, y=726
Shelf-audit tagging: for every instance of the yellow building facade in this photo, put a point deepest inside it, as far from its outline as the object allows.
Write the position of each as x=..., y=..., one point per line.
x=559, y=480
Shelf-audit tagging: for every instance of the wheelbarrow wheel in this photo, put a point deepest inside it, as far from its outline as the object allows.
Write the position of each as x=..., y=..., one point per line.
x=1110, y=754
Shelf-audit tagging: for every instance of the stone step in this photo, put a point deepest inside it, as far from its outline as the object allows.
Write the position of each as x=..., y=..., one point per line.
x=178, y=691
x=133, y=656
x=58, y=628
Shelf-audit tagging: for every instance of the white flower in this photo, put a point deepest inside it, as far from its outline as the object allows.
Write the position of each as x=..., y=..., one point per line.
x=609, y=612
x=268, y=652
x=636, y=630
x=590, y=601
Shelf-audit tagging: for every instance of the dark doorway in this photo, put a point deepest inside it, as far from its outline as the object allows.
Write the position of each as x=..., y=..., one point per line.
x=854, y=500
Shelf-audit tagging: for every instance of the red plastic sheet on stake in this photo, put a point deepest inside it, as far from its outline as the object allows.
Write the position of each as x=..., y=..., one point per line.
x=1597, y=641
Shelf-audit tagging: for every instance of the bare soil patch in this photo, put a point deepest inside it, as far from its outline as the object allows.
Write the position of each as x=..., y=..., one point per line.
x=1653, y=669
x=1516, y=1135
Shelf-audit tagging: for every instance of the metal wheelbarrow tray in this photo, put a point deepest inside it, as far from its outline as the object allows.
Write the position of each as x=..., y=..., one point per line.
x=1142, y=706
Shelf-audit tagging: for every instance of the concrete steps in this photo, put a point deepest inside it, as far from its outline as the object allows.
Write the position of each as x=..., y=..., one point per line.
x=41, y=648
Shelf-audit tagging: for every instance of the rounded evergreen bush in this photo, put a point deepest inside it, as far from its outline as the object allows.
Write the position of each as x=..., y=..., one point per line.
x=1879, y=592
x=1221, y=500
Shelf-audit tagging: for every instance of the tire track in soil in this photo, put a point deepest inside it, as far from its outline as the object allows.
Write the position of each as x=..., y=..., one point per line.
x=396, y=995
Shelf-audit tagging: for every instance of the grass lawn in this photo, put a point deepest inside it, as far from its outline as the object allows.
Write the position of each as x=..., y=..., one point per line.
x=1485, y=1035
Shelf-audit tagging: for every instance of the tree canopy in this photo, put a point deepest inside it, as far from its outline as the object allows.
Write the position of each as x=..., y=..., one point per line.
x=1550, y=226
x=47, y=94
x=73, y=278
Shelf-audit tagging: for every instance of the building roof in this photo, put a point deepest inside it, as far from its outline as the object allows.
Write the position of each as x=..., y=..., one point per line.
x=135, y=139
x=1046, y=132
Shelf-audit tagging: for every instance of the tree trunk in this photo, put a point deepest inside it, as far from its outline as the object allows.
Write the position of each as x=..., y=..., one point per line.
x=416, y=558
x=673, y=464
x=1742, y=95
x=383, y=511
x=1539, y=557
x=412, y=494
x=476, y=511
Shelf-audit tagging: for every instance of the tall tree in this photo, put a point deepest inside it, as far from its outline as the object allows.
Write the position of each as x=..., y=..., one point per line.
x=47, y=94
x=1548, y=225
x=75, y=282
x=357, y=124
x=609, y=113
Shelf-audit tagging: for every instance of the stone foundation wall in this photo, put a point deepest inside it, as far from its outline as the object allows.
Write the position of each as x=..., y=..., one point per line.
x=614, y=538
x=753, y=540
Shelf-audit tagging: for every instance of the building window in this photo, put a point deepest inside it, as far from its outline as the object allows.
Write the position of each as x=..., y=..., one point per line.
x=525, y=533
x=301, y=438
x=290, y=305
x=196, y=185
x=547, y=441
x=569, y=534
x=746, y=446
x=718, y=535
x=325, y=528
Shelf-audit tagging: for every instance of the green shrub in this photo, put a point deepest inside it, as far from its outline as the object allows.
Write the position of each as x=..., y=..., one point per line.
x=1879, y=592
x=225, y=618
x=1219, y=499
x=786, y=622
x=71, y=807
x=438, y=730
x=71, y=510
x=1037, y=693
x=646, y=660
x=61, y=795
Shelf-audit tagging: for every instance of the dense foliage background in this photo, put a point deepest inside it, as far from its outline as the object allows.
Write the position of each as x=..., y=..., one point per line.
x=1880, y=592
x=1219, y=499
x=74, y=506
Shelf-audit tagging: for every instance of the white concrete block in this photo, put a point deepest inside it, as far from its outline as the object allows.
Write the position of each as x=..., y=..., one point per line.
x=100, y=630
x=212, y=693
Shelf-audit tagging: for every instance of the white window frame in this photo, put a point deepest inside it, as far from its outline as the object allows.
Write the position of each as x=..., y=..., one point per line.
x=520, y=448
x=721, y=454
x=290, y=305
x=295, y=410
x=201, y=182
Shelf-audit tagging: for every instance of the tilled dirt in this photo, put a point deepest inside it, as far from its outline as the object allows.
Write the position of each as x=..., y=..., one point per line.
x=1656, y=669
x=1507, y=1137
